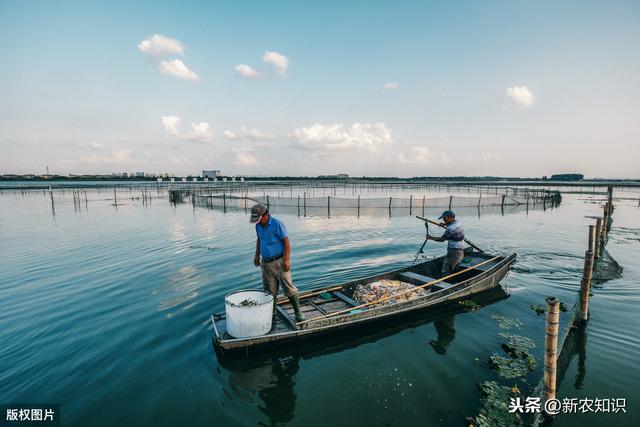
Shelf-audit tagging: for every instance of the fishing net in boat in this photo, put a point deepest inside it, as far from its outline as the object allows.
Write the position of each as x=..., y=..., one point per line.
x=395, y=290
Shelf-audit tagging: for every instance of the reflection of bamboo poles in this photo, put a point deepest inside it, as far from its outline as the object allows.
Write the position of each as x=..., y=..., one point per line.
x=424, y=285
x=598, y=238
x=551, y=348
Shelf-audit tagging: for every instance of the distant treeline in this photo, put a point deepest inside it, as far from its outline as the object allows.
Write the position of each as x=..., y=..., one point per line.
x=443, y=179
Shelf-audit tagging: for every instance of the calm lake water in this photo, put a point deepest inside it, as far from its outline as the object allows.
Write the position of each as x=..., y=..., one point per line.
x=106, y=312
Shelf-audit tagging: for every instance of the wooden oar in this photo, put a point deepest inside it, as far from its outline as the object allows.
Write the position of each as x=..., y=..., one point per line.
x=442, y=279
x=467, y=241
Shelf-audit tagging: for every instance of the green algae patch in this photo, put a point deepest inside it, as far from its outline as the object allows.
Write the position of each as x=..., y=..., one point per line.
x=505, y=322
x=470, y=305
x=495, y=406
x=538, y=309
x=517, y=345
x=507, y=367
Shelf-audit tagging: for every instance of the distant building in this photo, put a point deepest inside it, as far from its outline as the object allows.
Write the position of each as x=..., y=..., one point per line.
x=567, y=177
x=211, y=174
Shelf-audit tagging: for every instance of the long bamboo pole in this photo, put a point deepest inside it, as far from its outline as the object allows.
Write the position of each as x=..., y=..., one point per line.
x=467, y=241
x=442, y=279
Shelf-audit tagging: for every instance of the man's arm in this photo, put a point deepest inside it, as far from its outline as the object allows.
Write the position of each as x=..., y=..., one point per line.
x=256, y=258
x=436, y=238
x=287, y=253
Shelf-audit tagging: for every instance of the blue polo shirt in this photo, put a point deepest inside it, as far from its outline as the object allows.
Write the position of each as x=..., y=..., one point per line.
x=271, y=236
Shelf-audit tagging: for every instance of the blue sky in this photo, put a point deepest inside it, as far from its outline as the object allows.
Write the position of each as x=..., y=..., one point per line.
x=304, y=88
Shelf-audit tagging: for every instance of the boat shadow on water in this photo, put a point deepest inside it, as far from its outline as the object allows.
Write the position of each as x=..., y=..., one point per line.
x=267, y=379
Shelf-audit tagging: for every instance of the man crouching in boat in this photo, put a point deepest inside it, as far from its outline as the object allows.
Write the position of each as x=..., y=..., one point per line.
x=273, y=244
x=454, y=234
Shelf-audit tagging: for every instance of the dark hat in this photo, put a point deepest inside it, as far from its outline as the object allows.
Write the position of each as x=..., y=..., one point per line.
x=447, y=213
x=257, y=211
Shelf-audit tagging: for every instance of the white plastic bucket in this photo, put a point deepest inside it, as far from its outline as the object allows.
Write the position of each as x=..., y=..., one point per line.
x=244, y=321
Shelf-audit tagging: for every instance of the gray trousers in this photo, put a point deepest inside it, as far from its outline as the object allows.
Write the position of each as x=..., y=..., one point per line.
x=273, y=275
x=451, y=261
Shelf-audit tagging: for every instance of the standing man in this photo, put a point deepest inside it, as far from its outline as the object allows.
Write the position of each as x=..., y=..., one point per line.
x=273, y=244
x=454, y=234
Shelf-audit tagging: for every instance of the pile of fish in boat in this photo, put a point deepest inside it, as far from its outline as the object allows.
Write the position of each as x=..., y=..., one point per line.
x=392, y=291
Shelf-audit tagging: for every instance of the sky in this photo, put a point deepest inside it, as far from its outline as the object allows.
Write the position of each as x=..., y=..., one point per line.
x=375, y=88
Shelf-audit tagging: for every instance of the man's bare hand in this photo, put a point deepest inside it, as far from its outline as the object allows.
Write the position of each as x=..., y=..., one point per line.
x=287, y=265
x=256, y=261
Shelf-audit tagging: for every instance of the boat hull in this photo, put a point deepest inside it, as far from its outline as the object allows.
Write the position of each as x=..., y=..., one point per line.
x=336, y=325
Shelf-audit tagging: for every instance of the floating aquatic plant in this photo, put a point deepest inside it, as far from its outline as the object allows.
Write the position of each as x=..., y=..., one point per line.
x=507, y=367
x=517, y=345
x=495, y=409
x=505, y=322
x=209, y=248
x=538, y=309
x=470, y=305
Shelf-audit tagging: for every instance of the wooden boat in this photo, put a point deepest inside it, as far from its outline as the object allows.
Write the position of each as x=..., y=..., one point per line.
x=331, y=309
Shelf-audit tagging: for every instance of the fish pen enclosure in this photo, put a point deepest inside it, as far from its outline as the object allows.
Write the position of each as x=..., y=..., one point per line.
x=330, y=205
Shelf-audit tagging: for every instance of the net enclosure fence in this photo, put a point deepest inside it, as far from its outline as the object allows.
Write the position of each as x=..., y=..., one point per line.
x=360, y=205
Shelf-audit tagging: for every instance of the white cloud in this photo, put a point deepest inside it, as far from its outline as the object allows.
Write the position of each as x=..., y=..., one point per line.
x=243, y=70
x=487, y=156
x=246, y=133
x=254, y=134
x=390, y=85
x=177, y=69
x=230, y=135
x=93, y=145
x=171, y=124
x=521, y=95
x=244, y=157
x=337, y=137
x=199, y=131
x=160, y=46
x=279, y=62
x=178, y=161
x=422, y=156
x=116, y=157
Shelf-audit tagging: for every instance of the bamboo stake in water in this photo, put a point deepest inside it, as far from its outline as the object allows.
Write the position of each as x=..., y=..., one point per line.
x=605, y=223
x=585, y=286
x=598, y=238
x=551, y=348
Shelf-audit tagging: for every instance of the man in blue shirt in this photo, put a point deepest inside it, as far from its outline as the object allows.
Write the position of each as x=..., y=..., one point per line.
x=274, y=247
x=454, y=235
